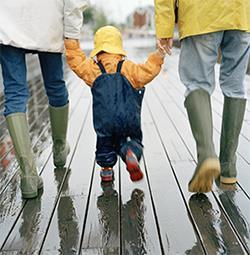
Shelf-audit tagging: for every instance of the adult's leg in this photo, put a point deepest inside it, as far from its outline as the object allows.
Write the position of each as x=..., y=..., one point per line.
x=14, y=79
x=235, y=49
x=16, y=96
x=52, y=70
x=197, y=60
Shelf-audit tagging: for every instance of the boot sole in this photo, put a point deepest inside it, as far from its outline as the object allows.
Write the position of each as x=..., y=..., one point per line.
x=30, y=195
x=60, y=163
x=228, y=180
x=202, y=181
x=134, y=171
x=34, y=194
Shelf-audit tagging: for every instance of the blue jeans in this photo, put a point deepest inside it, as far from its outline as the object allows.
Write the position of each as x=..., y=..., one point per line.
x=199, y=56
x=14, y=78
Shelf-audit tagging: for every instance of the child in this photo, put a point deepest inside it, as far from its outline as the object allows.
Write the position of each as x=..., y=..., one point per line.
x=117, y=86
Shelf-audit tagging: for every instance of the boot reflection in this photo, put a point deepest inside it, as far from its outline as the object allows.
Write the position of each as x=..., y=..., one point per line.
x=31, y=222
x=133, y=224
x=108, y=205
x=217, y=236
x=231, y=203
x=204, y=216
x=67, y=220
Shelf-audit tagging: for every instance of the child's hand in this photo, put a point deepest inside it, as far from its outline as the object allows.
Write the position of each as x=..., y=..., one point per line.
x=161, y=53
x=71, y=43
x=165, y=44
x=74, y=54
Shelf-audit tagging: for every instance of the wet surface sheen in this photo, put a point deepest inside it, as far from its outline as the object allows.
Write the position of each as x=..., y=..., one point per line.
x=76, y=214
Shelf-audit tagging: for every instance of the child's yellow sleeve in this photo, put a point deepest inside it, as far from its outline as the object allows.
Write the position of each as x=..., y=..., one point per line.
x=78, y=62
x=141, y=74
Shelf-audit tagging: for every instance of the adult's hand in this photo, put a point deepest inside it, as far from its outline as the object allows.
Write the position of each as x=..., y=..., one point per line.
x=165, y=45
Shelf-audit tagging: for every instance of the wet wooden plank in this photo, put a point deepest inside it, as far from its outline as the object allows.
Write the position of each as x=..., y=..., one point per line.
x=109, y=251
x=176, y=230
x=237, y=209
x=102, y=229
x=228, y=234
x=64, y=238
x=217, y=234
x=65, y=229
x=139, y=231
x=52, y=186
x=9, y=253
x=74, y=204
x=243, y=176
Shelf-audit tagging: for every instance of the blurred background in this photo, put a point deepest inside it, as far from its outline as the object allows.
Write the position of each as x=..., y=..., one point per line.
x=135, y=18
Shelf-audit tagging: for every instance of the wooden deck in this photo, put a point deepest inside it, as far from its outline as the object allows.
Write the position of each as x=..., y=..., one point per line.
x=76, y=215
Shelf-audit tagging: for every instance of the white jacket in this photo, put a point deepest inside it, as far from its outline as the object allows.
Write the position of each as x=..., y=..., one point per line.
x=40, y=24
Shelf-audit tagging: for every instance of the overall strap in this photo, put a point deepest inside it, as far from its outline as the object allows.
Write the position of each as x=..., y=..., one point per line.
x=119, y=66
x=101, y=67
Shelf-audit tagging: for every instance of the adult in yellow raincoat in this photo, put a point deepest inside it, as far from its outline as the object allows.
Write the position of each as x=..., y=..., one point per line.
x=204, y=27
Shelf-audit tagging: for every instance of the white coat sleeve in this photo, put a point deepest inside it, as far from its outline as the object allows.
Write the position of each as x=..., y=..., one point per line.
x=73, y=17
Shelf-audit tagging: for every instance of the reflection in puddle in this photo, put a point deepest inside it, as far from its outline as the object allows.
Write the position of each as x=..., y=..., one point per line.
x=66, y=215
x=132, y=219
x=133, y=224
x=217, y=236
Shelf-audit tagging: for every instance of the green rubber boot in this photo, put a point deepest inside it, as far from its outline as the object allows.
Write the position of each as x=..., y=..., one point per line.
x=59, y=126
x=233, y=115
x=199, y=111
x=18, y=128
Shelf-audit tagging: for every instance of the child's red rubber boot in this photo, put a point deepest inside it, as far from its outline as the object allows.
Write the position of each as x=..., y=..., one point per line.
x=107, y=174
x=133, y=167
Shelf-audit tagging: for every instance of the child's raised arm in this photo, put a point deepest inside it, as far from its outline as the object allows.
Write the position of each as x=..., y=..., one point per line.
x=141, y=74
x=78, y=61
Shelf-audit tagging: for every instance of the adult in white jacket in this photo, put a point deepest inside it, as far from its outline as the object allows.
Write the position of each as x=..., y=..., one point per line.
x=37, y=27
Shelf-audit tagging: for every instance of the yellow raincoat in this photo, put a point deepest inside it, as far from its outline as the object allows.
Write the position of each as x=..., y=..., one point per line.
x=197, y=17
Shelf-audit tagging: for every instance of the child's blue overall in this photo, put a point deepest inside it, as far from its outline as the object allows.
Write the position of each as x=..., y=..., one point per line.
x=117, y=117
